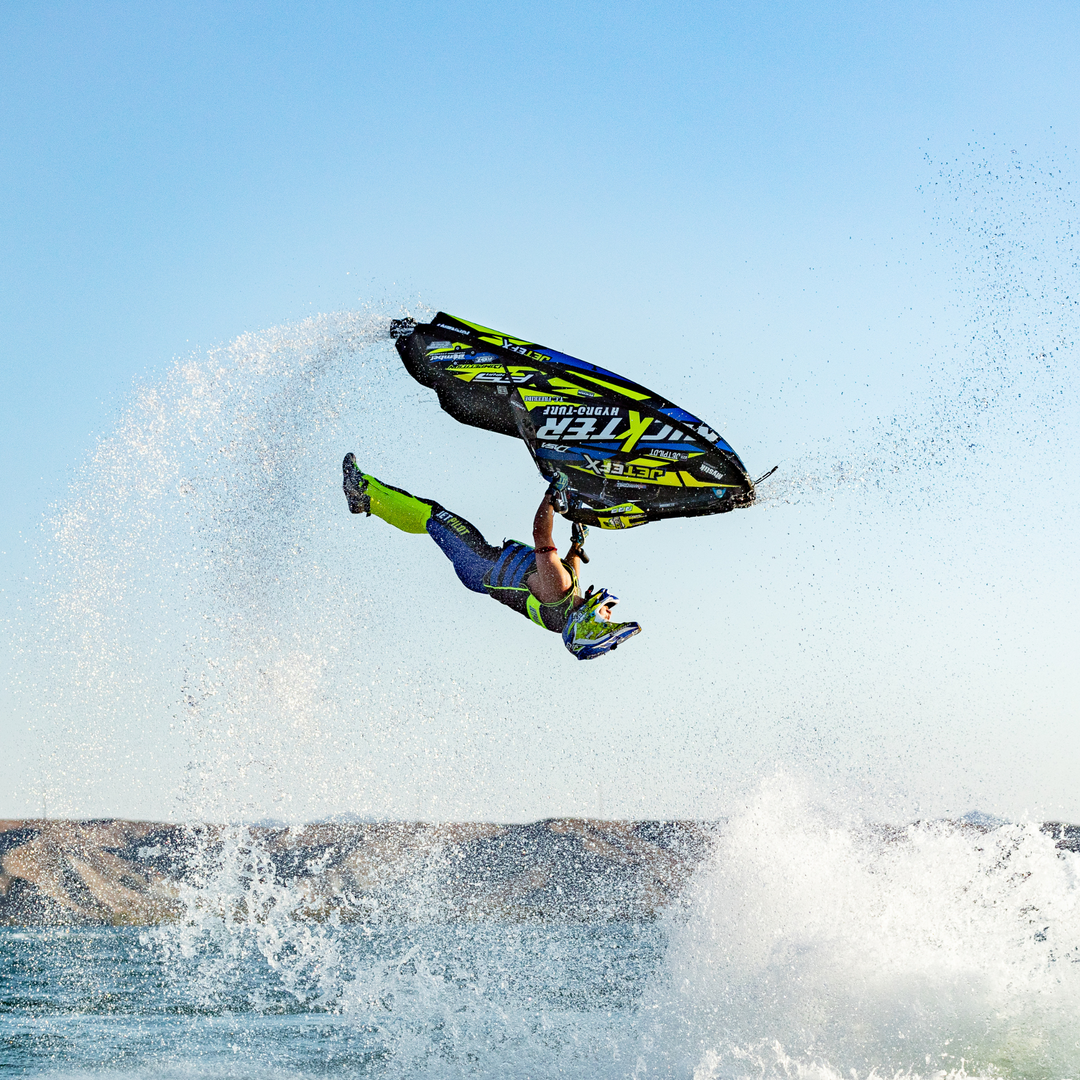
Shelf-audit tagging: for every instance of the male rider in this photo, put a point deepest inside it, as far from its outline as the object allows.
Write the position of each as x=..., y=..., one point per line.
x=532, y=580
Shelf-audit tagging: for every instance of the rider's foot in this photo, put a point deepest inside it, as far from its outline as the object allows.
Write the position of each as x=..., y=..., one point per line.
x=354, y=485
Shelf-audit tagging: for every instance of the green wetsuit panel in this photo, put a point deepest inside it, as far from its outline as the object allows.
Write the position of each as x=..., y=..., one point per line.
x=396, y=507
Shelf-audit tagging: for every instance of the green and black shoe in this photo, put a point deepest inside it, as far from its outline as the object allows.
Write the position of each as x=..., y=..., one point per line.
x=354, y=485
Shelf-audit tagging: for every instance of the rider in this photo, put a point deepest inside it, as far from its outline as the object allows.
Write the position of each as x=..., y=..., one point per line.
x=533, y=581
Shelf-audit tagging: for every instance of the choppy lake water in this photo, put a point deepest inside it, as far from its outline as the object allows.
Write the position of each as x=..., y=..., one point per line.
x=432, y=1001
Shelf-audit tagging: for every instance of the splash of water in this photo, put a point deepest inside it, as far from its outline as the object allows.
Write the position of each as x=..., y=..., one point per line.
x=1002, y=388
x=423, y=996
x=818, y=946
x=812, y=944
x=194, y=607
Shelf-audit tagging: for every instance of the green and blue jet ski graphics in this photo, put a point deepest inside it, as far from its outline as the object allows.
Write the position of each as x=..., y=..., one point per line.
x=630, y=456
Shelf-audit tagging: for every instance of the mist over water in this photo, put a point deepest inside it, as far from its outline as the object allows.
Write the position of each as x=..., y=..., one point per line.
x=215, y=639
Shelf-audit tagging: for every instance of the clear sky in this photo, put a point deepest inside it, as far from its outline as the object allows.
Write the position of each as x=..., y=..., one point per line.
x=843, y=233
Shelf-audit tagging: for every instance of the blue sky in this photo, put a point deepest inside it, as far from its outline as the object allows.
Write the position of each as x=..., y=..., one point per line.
x=783, y=215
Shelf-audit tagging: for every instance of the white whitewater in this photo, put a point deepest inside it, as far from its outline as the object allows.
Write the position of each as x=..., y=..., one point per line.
x=819, y=947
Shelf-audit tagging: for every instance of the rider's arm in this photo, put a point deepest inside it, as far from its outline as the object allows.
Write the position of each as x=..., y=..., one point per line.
x=552, y=577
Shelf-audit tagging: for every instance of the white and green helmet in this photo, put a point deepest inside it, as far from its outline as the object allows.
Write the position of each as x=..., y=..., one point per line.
x=587, y=636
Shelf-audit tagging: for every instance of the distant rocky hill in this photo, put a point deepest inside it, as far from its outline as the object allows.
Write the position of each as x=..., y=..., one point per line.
x=101, y=872
x=116, y=872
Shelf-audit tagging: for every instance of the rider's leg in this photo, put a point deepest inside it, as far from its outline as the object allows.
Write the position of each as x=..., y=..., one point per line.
x=459, y=540
x=400, y=509
x=463, y=544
